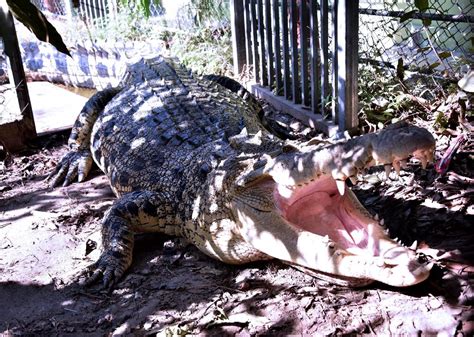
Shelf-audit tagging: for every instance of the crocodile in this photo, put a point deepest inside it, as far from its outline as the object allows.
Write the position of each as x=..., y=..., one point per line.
x=188, y=157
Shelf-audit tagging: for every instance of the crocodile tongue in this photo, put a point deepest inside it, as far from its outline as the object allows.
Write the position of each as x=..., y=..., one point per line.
x=319, y=208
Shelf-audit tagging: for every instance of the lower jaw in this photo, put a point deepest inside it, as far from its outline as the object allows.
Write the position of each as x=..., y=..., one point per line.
x=345, y=281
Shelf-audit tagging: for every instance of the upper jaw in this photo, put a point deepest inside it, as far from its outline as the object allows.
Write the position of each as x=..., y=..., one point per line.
x=391, y=147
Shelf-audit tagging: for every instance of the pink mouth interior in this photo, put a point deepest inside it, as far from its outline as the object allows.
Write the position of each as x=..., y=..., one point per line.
x=319, y=208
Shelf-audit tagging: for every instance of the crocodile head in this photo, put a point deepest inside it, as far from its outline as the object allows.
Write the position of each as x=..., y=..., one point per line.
x=297, y=208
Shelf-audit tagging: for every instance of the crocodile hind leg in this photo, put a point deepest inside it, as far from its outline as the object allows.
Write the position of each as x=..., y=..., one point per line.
x=78, y=161
x=135, y=212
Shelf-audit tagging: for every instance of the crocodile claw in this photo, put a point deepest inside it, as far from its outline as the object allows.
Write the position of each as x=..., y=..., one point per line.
x=109, y=268
x=75, y=164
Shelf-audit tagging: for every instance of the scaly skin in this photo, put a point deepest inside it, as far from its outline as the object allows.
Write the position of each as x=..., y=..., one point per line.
x=188, y=157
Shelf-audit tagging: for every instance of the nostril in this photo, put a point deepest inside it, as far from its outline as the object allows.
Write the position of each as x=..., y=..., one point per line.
x=421, y=258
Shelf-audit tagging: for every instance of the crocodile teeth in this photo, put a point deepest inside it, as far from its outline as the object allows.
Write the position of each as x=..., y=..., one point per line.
x=403, y=164
x=424, y=162
x=388, y=169
x=414, y=245
x=376, y=217
x=341, y=186
x=371, y=243
x=284, y=191
x=396, y=166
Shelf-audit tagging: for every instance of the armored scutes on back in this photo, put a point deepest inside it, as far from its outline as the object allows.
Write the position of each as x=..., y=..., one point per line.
x=187, y=157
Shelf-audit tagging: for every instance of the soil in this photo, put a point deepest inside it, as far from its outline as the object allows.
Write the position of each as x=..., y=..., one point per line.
x=48, y=235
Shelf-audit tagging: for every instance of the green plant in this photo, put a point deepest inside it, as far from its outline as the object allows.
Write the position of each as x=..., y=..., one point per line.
x=203, y=11
x=382, y=98
x=205, y=51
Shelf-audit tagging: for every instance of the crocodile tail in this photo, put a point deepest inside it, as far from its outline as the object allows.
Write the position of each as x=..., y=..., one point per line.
x=234, y=86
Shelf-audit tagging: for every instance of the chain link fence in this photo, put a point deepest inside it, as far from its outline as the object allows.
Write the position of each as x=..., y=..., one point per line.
x=391, y=33
x=437, y=40
x=97, y=12
x=101, y=35
x=58, y=7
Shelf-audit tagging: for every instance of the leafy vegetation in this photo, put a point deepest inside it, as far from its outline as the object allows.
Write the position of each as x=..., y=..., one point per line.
x=143, y=6
x=204, y=11
x=383, y=99
x=206, y=51
x=128, y=24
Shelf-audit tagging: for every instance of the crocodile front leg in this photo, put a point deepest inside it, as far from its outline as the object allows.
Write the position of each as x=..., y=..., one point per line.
x=78, y=161
x=135, y=212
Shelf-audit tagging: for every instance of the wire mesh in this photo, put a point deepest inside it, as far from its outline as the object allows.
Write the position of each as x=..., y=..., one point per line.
x=439, y=41
x=436, y=45
x=52, y=6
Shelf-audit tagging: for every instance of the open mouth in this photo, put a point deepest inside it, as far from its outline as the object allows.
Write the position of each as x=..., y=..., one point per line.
x=302, y=212
x=318, y=207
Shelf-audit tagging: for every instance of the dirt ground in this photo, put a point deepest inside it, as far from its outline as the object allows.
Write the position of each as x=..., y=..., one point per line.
x=48, y=235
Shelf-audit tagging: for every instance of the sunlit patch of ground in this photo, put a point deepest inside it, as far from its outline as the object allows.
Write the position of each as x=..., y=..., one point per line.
x=173, y=288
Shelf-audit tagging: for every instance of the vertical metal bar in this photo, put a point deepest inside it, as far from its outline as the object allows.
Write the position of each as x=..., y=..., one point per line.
x=103, y=11
x=324, y=11
x=12, y=49
x=276, y=43
x=96, y=5
x=261, y=35
x=268, y=33
x=87, y=11
x=248, y=34
x=103, y=14
x=335, y=65
x=238, y=35
x=68, y=10
x=256, y=68
x=80, y=9
x=304, y=49
x=95, y=11
x=99, y=8
x=256, y=61
x=347, y=48
x=294, y=51
x=315, y=60
x=286, y=49
x=99, y=17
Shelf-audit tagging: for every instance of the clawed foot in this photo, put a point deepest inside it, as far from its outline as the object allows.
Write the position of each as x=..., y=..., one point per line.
x=73, y=164
x=109, y=268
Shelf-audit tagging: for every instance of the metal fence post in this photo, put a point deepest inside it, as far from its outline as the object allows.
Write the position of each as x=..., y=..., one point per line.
x=238, y=34
x=347, y=60
x=10, y=40
x=68, y=10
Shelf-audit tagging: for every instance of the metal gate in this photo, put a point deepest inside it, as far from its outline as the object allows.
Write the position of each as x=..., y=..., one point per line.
x=303, y=57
